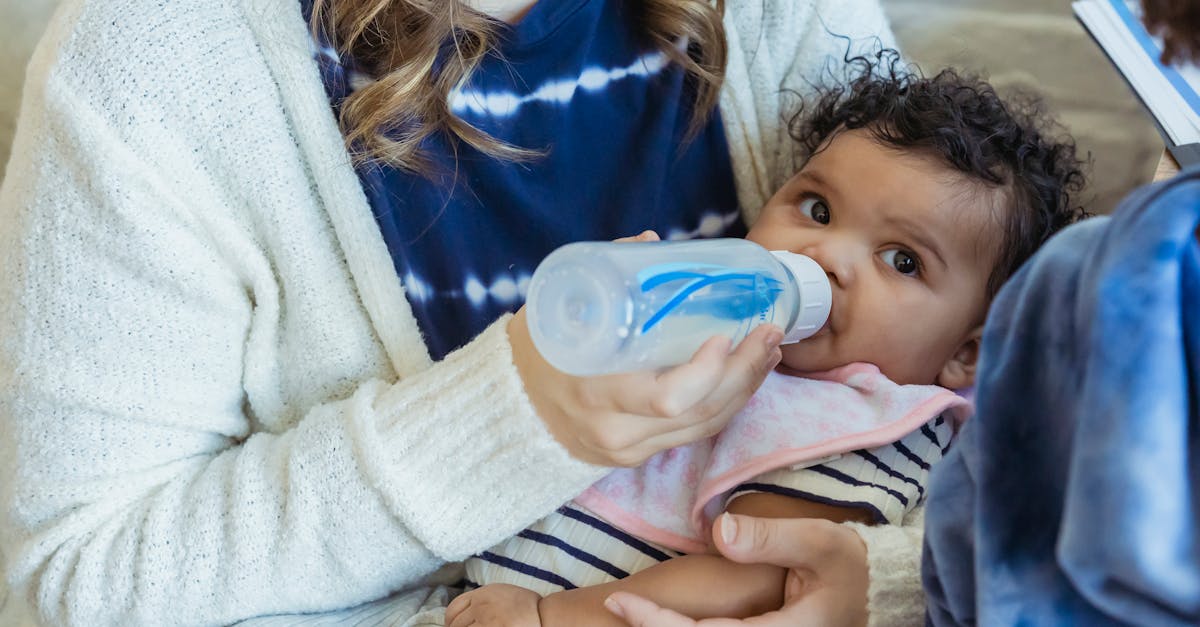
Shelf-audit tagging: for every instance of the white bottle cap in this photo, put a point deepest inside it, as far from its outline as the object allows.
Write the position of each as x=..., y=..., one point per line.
x=816, y=295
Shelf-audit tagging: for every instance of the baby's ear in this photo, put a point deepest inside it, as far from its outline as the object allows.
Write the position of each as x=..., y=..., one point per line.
x=959, y=372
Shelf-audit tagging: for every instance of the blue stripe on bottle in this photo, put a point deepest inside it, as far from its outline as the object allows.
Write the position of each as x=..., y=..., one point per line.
x=734, y=306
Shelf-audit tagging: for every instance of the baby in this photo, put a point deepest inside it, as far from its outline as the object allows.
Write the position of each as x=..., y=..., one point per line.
x=919, y=197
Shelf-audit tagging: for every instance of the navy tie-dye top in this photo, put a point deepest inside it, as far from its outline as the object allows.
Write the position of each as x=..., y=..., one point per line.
x=576, y=79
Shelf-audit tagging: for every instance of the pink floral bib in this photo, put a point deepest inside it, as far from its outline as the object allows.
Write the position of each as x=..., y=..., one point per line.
x=673, y=498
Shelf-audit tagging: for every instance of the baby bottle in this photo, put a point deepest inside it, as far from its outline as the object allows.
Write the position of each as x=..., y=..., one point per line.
x=604, y=307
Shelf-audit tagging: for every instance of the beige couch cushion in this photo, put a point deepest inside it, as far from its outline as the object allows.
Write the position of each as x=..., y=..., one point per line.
x=1038, y=44
x=21, y=23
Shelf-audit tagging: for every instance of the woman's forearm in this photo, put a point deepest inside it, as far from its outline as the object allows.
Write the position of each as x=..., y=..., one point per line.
x=179, y=422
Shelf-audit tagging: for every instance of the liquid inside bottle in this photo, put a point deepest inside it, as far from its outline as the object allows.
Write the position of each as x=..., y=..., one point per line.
x=602, y=307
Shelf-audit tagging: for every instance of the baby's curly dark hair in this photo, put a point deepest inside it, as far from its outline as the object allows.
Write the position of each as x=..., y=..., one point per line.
x=959, y=119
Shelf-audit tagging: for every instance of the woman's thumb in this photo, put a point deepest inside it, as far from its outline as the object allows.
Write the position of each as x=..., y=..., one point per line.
x=750, y=539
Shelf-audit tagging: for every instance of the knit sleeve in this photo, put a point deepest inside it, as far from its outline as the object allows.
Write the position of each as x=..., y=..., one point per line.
x=155, y=467
x=829, y=32
x=895, y=597
x=778, y=51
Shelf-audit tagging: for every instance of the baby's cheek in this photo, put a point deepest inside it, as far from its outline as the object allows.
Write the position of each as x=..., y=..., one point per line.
x=812, y=354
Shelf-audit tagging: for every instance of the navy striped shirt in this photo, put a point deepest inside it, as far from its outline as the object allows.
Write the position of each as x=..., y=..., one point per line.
x=574, y=547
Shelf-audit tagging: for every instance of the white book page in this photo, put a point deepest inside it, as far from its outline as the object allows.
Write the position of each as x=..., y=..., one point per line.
x=1179, y=119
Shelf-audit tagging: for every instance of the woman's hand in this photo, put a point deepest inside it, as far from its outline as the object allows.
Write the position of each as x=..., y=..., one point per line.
x=623, y=419
x=826, y=582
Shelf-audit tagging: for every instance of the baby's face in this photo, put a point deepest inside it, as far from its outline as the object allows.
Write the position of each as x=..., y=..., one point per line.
x=908, y=245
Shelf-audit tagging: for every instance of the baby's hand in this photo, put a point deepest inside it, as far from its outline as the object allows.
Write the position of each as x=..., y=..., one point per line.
x=495, y=605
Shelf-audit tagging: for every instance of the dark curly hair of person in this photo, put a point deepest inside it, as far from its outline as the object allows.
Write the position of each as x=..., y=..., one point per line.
x=1178, y=23
x=959, y=119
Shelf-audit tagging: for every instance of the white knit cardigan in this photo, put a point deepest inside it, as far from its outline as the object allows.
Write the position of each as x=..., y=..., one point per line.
x=215, y=402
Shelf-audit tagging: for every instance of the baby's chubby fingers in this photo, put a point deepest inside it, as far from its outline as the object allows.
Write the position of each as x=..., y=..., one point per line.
x=456, y=611
x=498, y=605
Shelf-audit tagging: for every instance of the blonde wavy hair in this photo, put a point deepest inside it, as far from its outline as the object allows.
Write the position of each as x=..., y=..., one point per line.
x=398, y=42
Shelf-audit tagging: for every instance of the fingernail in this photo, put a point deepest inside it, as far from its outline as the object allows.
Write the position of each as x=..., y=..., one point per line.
x=773, y=338
x=728, y=528
x=614, y=607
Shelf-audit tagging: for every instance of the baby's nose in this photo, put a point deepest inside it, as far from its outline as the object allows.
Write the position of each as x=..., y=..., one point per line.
x=835, y=259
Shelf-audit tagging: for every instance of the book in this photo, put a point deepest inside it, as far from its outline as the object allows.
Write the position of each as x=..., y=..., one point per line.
x=1170, y=93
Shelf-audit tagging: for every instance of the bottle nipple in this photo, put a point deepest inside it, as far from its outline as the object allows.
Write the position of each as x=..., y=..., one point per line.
x=814, y=293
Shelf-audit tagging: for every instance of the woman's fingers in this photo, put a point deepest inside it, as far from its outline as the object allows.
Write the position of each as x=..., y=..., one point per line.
x=639, y=612
x=674, y=391
x=827, y=579
x=688, y=402
x=703, y=386
x=622, y=420
x=792, y=542
x=644, y=236
x=684, y=431
x=742, y=373
x=809, y=611
x=829, y=560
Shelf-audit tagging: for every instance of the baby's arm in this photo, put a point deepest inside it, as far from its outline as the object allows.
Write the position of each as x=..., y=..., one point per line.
x=767, y=505
x=877, y=485
x=699, y=586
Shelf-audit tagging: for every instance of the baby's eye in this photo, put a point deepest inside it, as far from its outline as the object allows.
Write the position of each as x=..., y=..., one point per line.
x=816, y=209
x=903, y=261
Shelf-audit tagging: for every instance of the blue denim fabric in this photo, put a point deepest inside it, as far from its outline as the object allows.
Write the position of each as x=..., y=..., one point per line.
x=1073, y=496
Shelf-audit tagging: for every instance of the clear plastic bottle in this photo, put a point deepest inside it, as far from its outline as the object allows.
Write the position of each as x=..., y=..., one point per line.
x=604, y=307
